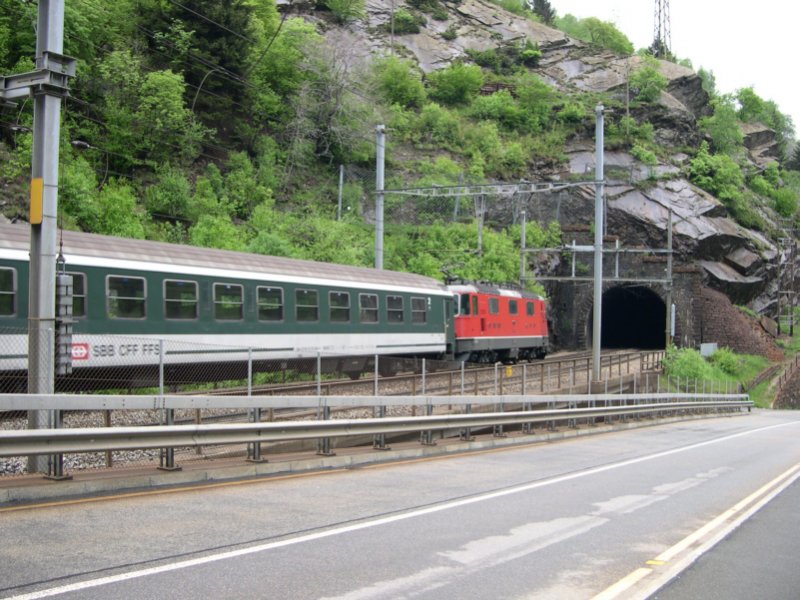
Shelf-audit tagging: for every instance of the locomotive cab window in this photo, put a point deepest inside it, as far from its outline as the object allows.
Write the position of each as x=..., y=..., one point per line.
x=306, y=305
x=394, y=309
x=494, y=306
x=228, y=302
x=368, y=308
x=529, y=309
x=419, y=311
x=8, y=292
x=180, y=299
x=125, y=297
x=512, y=307
x=270, y=303
x=339, y=307
x=463, y=304
x=78, y=294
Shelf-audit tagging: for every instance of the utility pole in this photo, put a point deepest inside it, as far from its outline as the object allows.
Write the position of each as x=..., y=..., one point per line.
x=380, y=152
x=599, y=177
x=48, y=85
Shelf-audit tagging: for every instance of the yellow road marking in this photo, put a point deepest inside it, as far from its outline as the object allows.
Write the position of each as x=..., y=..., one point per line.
x=623, y=584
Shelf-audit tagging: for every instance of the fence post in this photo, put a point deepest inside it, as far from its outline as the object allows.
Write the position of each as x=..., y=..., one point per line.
x=466, y=432
x=254, y=448
x=497, y=430
x=167, y=457
x=378, y=411
x=323, y=411
x=426, y=437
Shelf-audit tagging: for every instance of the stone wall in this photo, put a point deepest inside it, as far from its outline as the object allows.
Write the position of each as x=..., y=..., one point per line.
x=721, y=322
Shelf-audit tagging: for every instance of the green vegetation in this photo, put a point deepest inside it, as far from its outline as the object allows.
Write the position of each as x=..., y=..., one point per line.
x=225, y=125
x=723, y=367
x=647, y=82
x=601, y=34
x=346, y=10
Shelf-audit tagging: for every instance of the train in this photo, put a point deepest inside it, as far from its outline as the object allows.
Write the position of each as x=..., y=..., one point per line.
x=216, y=313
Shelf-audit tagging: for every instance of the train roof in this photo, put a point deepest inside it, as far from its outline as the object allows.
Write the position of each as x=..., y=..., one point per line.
x=88, y=249
x=488, y=288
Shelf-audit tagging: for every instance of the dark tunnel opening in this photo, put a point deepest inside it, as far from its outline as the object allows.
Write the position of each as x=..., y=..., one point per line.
x=633, y=317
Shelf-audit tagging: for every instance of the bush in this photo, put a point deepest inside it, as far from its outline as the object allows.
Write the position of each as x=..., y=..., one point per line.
x=726, y=361
x=717, y=174
x=405, y=22
x=785, y=201
x=399, y=82
x=644, y=155
x=686, y=362
x=450, y=33
x=723, y=127
x=500, y=107
x=647, y=82
x=457, y=84
x=438, y=125
x=346, y=10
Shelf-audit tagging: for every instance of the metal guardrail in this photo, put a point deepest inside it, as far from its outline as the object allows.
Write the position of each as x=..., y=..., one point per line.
x=56, y=441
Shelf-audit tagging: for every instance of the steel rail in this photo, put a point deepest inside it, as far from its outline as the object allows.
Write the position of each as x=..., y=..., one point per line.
x=58, y=441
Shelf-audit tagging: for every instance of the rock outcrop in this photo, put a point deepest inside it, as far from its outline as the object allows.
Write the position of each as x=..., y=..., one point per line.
x=739, y=262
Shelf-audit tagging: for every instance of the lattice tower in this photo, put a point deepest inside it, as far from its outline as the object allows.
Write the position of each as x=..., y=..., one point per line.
x=662, y=38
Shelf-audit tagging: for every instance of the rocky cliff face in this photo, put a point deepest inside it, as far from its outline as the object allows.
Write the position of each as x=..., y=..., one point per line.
x=739, y=262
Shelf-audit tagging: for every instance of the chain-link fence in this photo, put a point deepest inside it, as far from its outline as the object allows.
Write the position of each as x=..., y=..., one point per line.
x=118, y=365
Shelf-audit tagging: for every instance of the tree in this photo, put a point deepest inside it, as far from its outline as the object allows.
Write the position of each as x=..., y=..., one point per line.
x=332, y=113
x=119, y=214
x=708, y=81
x=216, y=232
x=606, y=35
x=723, y=127
x=545, y=12
x=210, y=44
x=794, y=162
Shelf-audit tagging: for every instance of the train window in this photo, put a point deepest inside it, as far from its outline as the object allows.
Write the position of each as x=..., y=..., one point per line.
x=394, y=309
x=339, y=307
x=464, y=305
x=270, y=304
x=125, y=297
x=529, y=309
x=512, y=307
x=419, y=311
x=8, y=292
x=474, y=305
x=180, y=299
x=306, y=305
x=494, y=306
x=368, y=308
x=228, y=302
x=78, y=294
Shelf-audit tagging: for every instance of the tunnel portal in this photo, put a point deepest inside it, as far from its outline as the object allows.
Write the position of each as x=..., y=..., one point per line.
x=633, y=317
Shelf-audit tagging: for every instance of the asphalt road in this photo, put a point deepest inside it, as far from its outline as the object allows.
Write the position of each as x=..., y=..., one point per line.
x=563, y=520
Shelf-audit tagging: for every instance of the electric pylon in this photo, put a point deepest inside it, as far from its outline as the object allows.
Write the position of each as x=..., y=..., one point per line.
x=662, y=41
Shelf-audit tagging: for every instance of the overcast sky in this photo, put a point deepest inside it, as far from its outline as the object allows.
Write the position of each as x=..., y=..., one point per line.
x=752, y=44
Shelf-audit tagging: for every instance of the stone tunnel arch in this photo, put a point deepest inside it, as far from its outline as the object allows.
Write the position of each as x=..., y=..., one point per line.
x=633, y=317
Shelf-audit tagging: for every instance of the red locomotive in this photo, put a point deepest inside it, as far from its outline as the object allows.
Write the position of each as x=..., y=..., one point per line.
x=497, y=324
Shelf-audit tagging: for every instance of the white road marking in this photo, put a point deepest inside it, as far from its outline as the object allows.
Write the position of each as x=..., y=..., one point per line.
x=184, y=564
